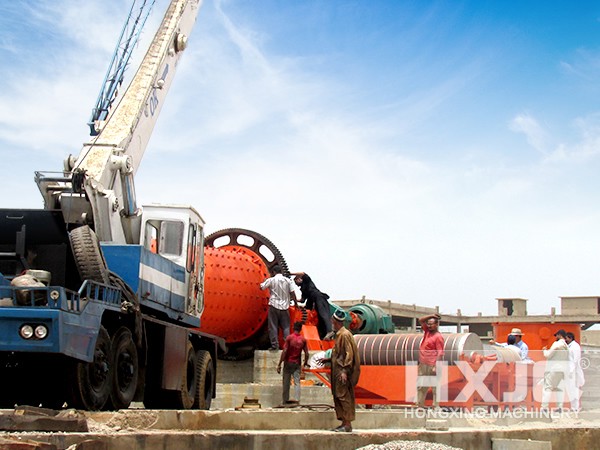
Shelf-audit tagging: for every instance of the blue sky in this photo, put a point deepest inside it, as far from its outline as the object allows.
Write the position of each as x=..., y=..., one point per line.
x=439, y=153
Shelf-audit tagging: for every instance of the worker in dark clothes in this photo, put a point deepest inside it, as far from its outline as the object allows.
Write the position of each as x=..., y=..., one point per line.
x=315, y=299
x=345, y=372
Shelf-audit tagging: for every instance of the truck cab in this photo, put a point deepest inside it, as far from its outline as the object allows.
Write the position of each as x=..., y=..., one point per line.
x=169, y=271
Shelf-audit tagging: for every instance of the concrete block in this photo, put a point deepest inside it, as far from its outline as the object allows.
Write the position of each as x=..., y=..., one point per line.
x=520, y=444
x=235, y=371
x=231, y=395
x=18, y=422
x=265, y=366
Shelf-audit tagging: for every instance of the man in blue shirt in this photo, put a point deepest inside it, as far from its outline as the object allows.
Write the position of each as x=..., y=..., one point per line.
x=516, y=332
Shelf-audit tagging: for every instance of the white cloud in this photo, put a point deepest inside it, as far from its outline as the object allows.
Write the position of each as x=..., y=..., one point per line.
x=588, y=145
x=536, y=136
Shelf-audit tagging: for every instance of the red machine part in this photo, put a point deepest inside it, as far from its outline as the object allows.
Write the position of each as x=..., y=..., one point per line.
x=234, y=306
x=236, y=262
x=355, y=322
x=389, y=366
x=310, y=320
x=389, y=372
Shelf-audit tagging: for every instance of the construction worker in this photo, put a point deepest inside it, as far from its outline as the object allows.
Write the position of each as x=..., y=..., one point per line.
x=345, y=371
x=557, y=360
x=575, y=380
x=291, y=357
x=315, y=299
x=431, y=351
x=278, y=317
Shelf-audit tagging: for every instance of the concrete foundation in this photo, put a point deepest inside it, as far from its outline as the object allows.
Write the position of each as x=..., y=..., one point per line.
x=258, y=379
x=230, y=396
x=306, y=427
x=307, y=430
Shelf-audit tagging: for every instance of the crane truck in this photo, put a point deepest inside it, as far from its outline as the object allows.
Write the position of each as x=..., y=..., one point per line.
x=101, y=299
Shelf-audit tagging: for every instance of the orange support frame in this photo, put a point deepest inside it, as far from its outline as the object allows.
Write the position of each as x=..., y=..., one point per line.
x=511, y=384
x=396, y=385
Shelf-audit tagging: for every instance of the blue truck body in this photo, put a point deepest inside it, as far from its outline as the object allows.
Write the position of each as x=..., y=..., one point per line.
x=71, y=318
x=159, y=281
x=134, y=337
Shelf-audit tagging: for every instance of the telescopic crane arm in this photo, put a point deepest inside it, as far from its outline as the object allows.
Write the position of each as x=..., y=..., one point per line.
x=130, y=34
x=98, y=188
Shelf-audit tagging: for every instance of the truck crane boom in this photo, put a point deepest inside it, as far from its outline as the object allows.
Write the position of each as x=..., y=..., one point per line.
x=115, y=74
x=97, y=187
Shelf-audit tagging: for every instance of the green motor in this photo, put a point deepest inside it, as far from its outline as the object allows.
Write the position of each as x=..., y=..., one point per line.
x=371, y=319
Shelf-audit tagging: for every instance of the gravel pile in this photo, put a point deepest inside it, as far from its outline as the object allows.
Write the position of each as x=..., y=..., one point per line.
x=409, y=445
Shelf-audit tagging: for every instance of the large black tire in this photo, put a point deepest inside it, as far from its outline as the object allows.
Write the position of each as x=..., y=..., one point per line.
x=125, y=369
x=205, y=373
x=185, y=397
x=91, y=383
x=88, y=255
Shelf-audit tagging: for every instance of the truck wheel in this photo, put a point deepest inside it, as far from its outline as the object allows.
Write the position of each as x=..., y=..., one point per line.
x=91, y=382
x=125, y=369
x=187, y=394
x=205, y=373
x=88, y=255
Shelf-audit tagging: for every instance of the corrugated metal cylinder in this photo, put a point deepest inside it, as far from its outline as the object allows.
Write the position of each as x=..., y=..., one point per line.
x=401, y=349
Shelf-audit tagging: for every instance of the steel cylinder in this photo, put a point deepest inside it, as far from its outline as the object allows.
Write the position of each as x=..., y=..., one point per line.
x=235, y=308
x=402, y=349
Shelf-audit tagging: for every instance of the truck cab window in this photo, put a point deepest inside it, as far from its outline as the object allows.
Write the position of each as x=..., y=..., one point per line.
x=171, y=238
x=191, y=248
x=151, y=237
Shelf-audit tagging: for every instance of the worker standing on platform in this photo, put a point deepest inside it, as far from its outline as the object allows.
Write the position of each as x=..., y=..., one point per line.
x=278, y=317
x=345, y=371
x=557, y=360
x=291, y=358
x=575, y=379
x=315, y=299
x=431, y=351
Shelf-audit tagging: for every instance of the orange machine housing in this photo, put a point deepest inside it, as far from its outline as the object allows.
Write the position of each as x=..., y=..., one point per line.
x=535, y=335
x=235, y=308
